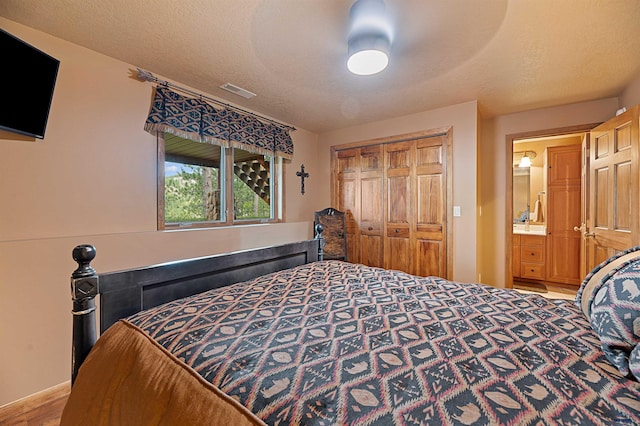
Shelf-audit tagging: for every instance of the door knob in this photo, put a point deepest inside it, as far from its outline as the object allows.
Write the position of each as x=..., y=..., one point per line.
x=579, y=228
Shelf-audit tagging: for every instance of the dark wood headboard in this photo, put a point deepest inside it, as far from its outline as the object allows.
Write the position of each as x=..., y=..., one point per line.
x=126, y=292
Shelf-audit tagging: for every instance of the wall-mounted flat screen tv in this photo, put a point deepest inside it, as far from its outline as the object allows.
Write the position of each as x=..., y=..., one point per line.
x=28, y=78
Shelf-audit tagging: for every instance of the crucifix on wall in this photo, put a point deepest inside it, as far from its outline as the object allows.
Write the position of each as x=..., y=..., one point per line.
x=302, y=175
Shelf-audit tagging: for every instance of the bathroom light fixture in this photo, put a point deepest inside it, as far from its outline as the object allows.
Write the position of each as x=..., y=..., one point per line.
x=525, y=160
x=369, y=41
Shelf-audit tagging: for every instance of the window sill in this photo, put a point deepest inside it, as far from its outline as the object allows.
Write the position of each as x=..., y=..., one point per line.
x=209, y=225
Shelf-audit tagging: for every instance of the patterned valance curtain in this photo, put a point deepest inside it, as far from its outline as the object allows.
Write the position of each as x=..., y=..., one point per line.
x=197, y=120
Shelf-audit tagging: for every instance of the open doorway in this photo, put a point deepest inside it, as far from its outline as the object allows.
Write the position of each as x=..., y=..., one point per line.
x=544, y=199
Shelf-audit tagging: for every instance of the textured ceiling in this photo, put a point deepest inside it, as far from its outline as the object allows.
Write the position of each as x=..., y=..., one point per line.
x=509, y=55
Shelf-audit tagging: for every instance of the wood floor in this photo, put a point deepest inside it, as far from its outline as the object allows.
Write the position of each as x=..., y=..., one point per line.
x=547, y=291
x=41, y=409
x=550, y=294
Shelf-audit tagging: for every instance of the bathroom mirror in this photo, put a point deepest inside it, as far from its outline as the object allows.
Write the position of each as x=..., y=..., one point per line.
x=521, y=191
x=528, y=183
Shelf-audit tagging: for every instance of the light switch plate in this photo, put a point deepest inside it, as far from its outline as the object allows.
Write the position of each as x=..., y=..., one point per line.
x=456, y=211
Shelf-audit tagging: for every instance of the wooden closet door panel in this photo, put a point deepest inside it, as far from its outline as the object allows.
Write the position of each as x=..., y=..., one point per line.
x=353, y=253
x=371, y=206
x=429, y=236
x=346, y=161
x=347, y=196
x=398, y=200
x=371, y=250
x=430, y=198
x=429, y=258
x=429, y=172
x=398, y=253
x=371, y=191
x=347, y=170
x=371, y=159
x=398, y=156
x=397, y=244
x=430, y=207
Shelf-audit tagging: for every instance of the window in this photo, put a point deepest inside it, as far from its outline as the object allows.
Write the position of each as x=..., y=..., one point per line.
x=202, y=184
x=251, y=186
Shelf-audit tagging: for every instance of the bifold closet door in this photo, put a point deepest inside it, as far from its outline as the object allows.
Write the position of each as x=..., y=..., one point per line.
x=347, y=171
x=360, y=194
x=394, y=195
x=371, y=198
x=415, y=226
x=399, y=159
x=430, y=217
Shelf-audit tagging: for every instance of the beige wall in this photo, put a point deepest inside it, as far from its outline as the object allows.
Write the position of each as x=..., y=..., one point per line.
x=463, y=119
x=494, y=170
x=93, y=180
x=631, y=94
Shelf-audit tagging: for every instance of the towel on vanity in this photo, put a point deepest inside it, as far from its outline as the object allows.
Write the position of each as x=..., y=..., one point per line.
x=536, y=215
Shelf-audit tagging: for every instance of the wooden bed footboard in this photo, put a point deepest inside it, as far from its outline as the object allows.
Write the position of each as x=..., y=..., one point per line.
x=126, y=292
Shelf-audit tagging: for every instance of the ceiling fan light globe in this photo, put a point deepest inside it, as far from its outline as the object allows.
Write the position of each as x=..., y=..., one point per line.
x=368, y=62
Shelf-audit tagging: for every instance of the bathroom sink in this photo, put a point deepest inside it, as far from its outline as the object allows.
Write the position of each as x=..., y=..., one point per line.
x=531, y=229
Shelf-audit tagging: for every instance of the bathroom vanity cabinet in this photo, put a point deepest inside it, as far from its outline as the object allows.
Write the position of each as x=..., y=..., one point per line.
x=529, y=256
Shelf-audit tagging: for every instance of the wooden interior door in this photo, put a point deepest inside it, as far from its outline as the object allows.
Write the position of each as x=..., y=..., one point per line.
x=563, y=197
x=584, y=204
x=614, y=207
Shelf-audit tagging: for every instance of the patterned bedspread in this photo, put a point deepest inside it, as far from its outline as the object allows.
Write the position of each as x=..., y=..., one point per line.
x=337, y=343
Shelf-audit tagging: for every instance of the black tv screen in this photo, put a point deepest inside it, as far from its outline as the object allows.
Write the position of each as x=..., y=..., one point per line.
x=28, y=78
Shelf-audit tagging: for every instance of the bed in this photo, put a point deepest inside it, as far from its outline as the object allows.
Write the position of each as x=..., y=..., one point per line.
x=306, y=341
